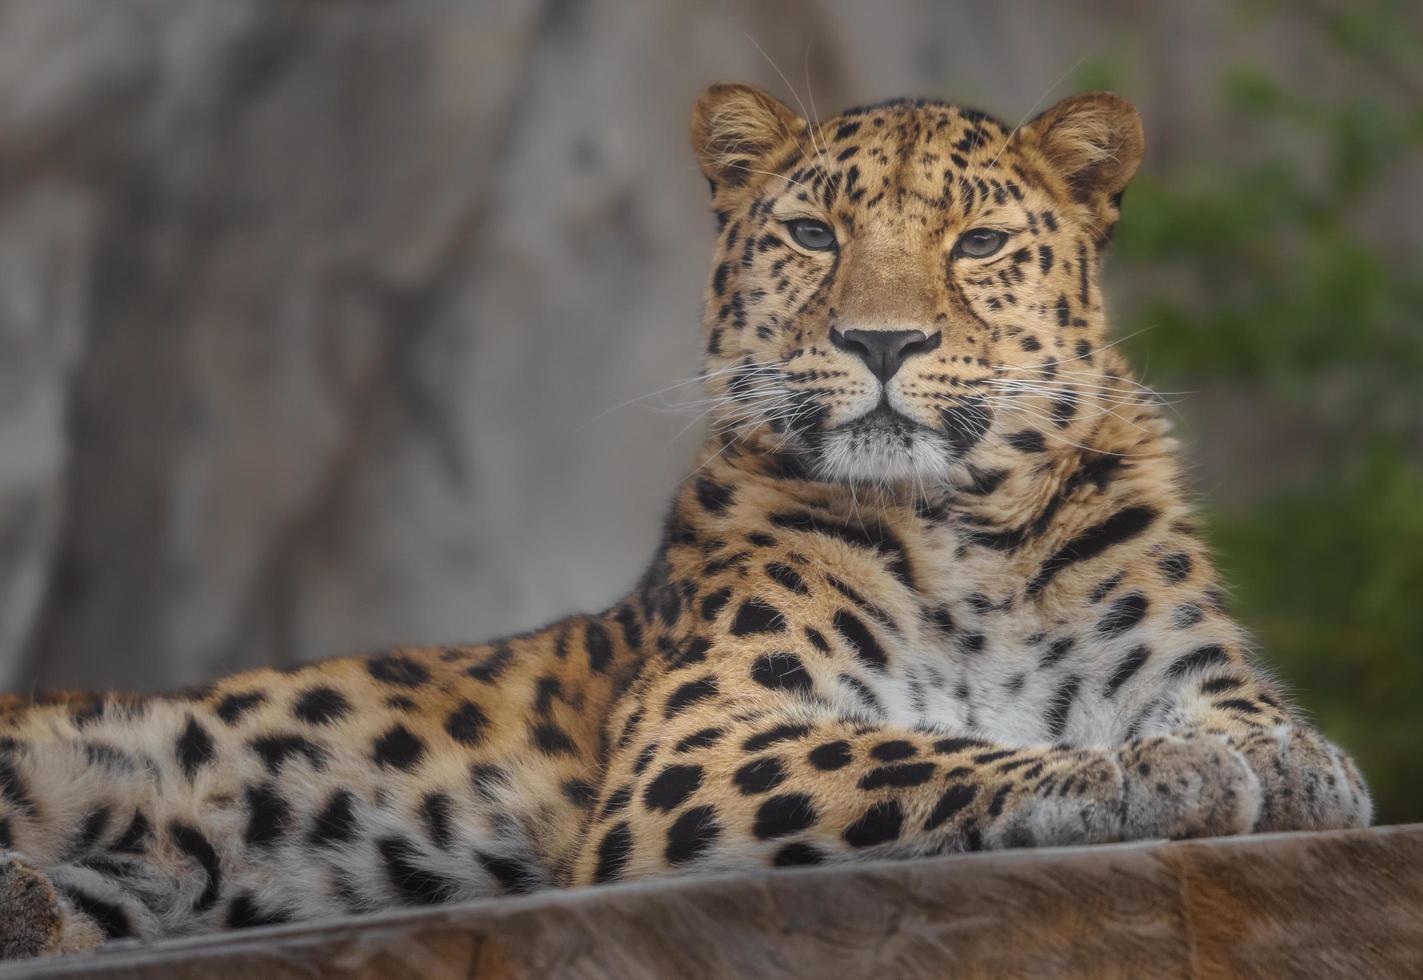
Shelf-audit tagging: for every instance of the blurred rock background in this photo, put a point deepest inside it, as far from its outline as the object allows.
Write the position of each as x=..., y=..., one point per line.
x=315, y=317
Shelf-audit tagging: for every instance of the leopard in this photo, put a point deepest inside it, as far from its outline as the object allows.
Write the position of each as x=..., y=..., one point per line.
x=934, y=585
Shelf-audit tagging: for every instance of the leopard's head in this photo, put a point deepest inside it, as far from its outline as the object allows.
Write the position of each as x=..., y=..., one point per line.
x=885, y=279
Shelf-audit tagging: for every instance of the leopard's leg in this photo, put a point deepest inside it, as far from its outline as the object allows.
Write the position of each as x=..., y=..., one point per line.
x=1181, y=675
x=77, y=842
x=799, y=785
x=1219, y=698
x=169, y=822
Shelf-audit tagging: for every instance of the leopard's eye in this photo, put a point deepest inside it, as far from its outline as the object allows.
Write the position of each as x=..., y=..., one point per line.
x=814, y=235
x=980, y=243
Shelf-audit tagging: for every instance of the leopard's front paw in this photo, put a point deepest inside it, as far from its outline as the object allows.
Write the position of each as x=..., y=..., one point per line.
x=1307, y=783
x=30, y=917
x=34, y=920
x=1187, y=787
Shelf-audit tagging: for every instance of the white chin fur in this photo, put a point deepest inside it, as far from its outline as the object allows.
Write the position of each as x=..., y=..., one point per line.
x=882, y=457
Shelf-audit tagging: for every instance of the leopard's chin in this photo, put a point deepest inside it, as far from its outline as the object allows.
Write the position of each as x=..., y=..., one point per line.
x=883, y=447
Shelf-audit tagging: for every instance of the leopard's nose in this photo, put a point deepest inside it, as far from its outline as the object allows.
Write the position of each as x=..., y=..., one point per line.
x=884, y=351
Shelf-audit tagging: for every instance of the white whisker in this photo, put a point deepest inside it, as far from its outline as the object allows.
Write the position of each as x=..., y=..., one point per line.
x=809, y=130
x=771, y=173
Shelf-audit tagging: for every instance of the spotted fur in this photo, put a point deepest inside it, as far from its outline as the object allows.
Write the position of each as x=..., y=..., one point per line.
x=954, y=605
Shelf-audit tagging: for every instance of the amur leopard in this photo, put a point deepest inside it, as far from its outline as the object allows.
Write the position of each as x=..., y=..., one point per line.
x=933, y=586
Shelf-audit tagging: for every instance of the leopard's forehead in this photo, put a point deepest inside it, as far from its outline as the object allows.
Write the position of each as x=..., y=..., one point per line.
x=920, y=108
x=910, y=124
x=919, y=156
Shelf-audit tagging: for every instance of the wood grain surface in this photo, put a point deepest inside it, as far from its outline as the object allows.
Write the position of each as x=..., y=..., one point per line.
x=1344, y=904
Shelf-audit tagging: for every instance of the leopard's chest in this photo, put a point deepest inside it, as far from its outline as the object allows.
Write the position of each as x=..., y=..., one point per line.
x=980, y=659
x=961, y=673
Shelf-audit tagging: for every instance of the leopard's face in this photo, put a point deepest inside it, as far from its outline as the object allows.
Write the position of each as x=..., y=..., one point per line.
x=885, y=280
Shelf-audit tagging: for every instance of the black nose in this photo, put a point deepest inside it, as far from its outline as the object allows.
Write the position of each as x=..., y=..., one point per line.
x=884, y=351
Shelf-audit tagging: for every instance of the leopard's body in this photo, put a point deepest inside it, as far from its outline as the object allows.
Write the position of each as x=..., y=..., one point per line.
x=949, y=603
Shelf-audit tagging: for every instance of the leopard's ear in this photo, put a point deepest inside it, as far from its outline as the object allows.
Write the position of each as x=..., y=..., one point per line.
x=1093, y=141
x=735, y=127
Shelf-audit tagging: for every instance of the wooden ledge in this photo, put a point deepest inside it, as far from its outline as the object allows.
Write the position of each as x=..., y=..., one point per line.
x=1347, y=904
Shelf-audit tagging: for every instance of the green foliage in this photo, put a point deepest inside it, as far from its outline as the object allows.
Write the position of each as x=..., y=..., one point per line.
x=1265, y=262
